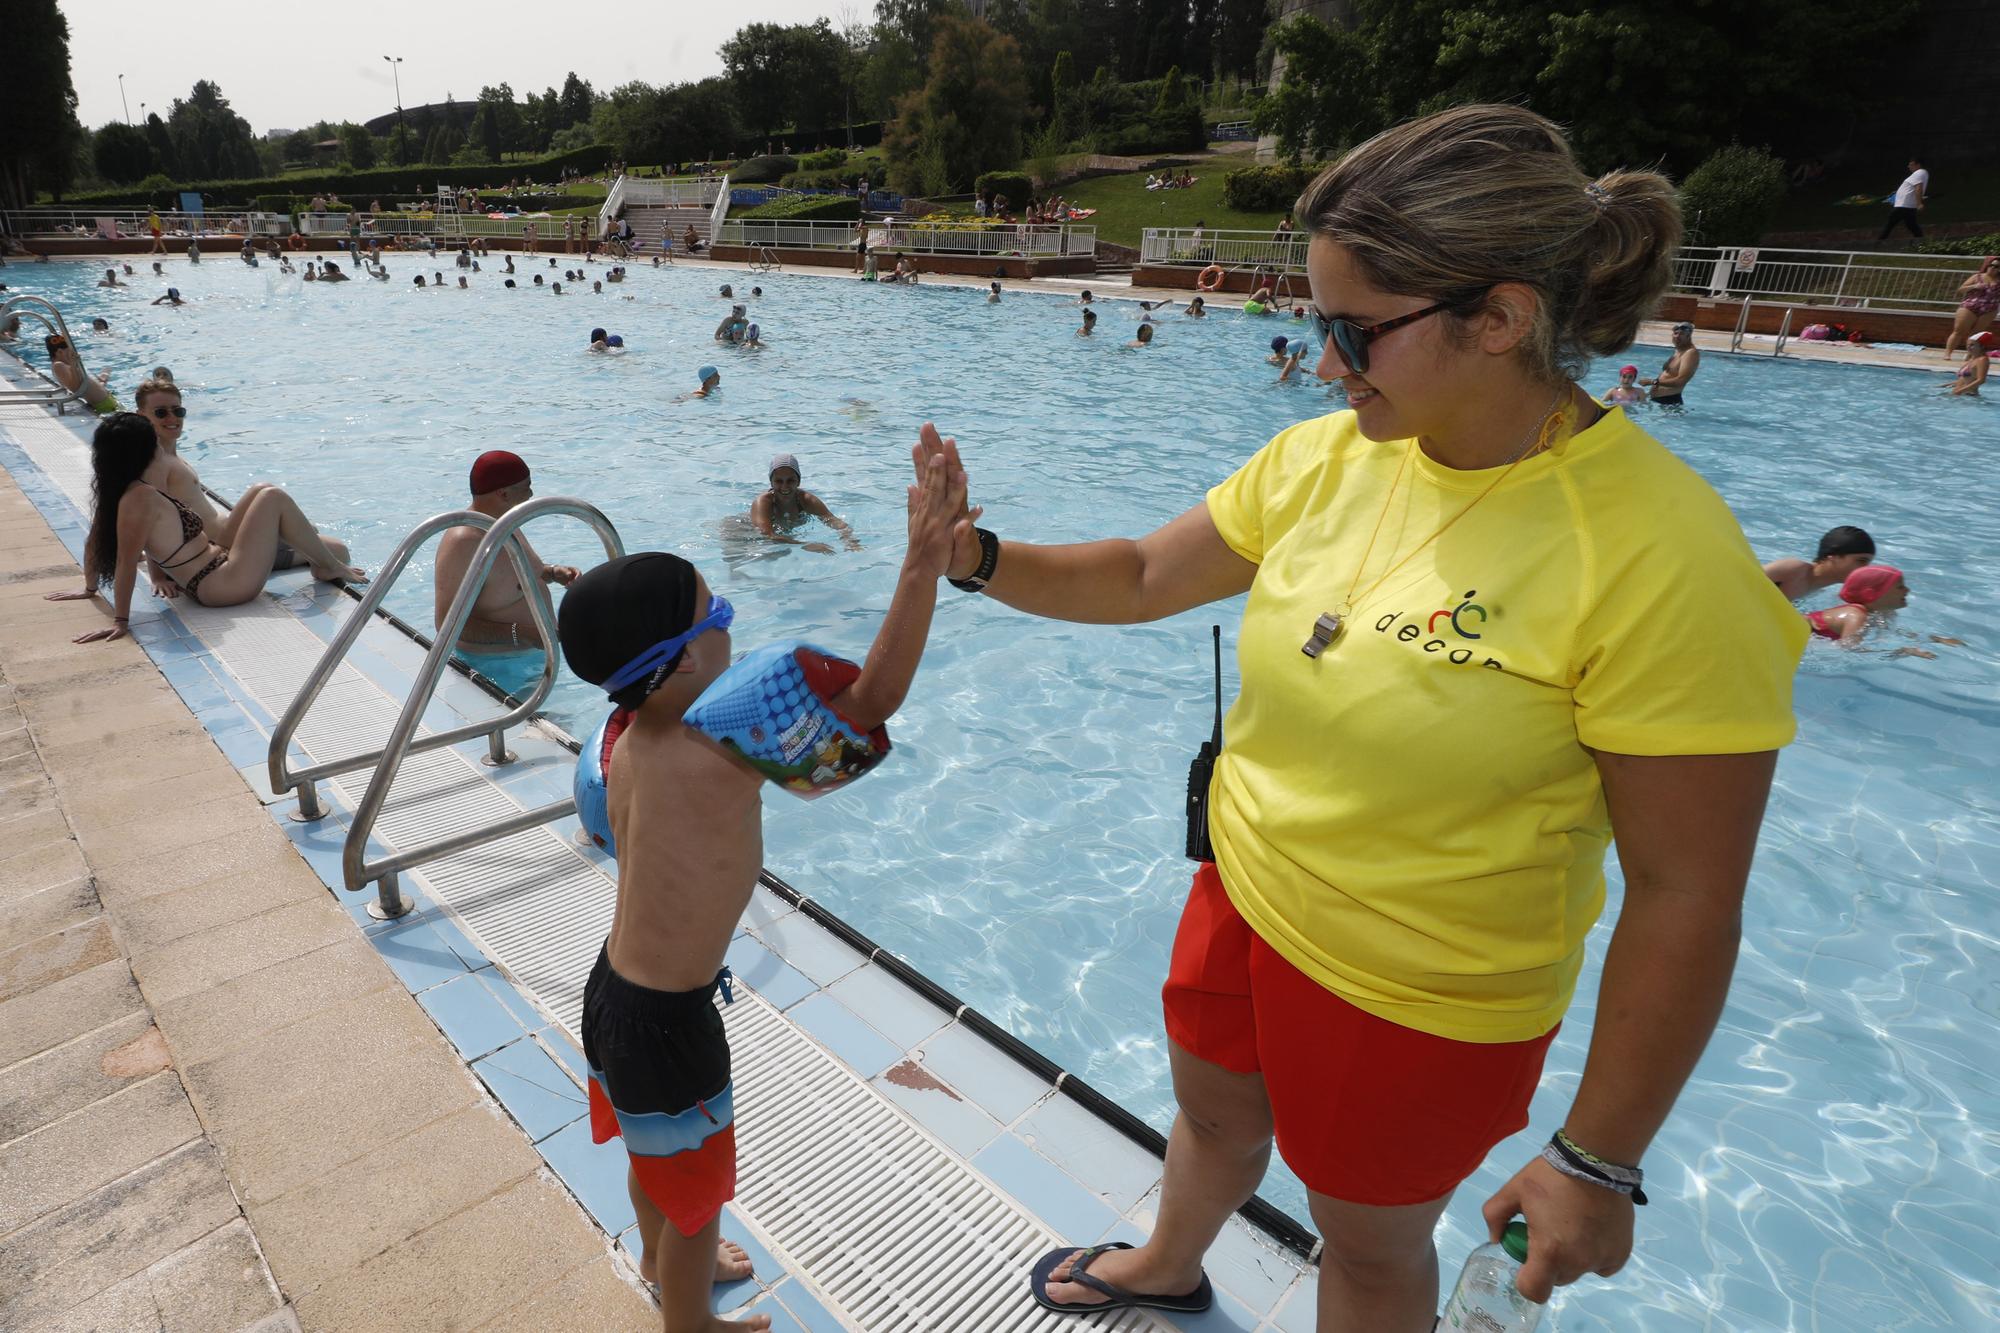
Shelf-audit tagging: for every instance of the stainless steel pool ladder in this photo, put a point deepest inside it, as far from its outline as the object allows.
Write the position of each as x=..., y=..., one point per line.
x=403, y=740
x=54, y=395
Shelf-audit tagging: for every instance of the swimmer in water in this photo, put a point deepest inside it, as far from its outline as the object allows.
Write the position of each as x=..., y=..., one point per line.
x=597, y=341
x=1147, y=308
x=1628, y=390
x=1978, y=360
x=1279, y=345
x=1145, y=337
x=1873, y=590
x=1842, y=551
x=1083, y=298
x=1295, y=351
x=730, y=330
x=711, y=380
x=1089, y=324
x=785, y=506
x=1196, y=309
x=756, y=293
x=993, y=293
x=727, y=293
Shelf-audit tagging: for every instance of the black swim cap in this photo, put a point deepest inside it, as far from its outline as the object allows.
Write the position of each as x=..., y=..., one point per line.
x=616, y=611
x=1845, y=541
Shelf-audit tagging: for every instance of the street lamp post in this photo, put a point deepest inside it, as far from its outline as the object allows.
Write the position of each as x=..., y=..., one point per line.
x=123, y=105
x=402, y=134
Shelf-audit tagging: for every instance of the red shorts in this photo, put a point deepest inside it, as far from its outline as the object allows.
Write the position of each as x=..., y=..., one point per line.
x=1366, y=1111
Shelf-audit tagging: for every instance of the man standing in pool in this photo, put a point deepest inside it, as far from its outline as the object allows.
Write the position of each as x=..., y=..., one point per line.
x=500, y=618
x=1842, y=550
x=1679, y=369
x=784, y=506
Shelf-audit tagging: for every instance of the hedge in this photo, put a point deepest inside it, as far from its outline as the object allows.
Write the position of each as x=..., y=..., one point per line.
x=819, y=180
x=374, y=184
x=1963, y=245
x=763, y=170
x=808, y=208
x=829, y=160
x=1018, y=186
x=1265, y=189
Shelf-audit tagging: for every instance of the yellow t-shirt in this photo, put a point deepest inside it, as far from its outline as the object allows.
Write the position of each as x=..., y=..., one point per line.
x=1413, y=818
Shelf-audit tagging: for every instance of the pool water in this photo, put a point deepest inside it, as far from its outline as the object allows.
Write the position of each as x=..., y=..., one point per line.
x=1832, y=1164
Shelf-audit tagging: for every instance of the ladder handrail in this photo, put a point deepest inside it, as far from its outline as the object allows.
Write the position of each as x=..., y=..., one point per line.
x=282, y=776
x=356, y=869
x=26, y=303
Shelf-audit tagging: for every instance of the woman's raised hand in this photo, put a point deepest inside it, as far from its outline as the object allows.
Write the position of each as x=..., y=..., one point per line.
x=964, y=541
x=937, y=509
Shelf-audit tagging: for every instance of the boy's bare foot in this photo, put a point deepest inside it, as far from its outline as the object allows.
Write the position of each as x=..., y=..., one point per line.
x=756, y=1322
x=732, y=1262
x=350, y=573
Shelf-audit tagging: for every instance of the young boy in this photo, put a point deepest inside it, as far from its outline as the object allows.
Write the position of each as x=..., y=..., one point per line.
x=1842, y=550
x=687, y=821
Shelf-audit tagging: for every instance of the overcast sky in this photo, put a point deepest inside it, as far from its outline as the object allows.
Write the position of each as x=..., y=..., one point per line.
x=286, y=67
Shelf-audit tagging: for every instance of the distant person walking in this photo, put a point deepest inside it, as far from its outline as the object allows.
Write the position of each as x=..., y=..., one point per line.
x=1909, y=201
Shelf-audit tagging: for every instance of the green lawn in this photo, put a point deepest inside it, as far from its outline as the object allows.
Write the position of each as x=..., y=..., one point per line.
x=1125, y=207
x=1958, y=194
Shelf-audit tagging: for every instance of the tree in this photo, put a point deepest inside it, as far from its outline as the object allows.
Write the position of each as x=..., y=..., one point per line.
x=817, y=75
x=575, y=102
x=889, y=71
x=121, y=154
x=357, y=146
x=1320, y=106
x=165, y=159
x=401, y=146
x=968, y=114
x=1731, y=198
x=914, y=21
x=39, y=133
x=210, y=139
x=757, y=61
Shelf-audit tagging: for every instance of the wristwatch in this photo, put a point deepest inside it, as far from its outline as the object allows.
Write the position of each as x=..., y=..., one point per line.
x=989, y=557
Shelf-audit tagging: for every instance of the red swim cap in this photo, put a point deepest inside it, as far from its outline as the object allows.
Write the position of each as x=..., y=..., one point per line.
x=496, y=470
x=1869, y=582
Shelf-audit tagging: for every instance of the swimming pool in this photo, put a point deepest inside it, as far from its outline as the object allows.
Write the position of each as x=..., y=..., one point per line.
x=1830, y=1168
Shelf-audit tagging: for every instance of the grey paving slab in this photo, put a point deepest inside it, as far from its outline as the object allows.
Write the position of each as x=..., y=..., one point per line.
x=236, y=856
x=462, y=1272
x=402, y=1187
x=211, y=957
x=597, y=1296
x=162, y=918
x=42, y=867
x=68, y=1077
x=42, y=1018
x=49, y=958
x=218, y=1282
x=64, y=1259
x=55, y=908
x=65, y=1160
x=208, y=1023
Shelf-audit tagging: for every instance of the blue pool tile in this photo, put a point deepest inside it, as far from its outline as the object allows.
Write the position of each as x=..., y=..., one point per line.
x=983, y=1072
x=1069, y=1209
x=471, y=1016
x=764, y=1266
x=891, y=1008
x=535, y=1089
x=810, y=947
x=765, y=907
x=417, y=954
x=594, y=1173
x=1110, y=1165
x=954, y=1118
x=766, y=973
x=237, y=737
x=1227, y=1315
x=1300, y=1312
x=558, y=1043
x=1253, y=1270
x=804, y=1306
x=782, y=1320
x=518, y=1004
x=843, y=1032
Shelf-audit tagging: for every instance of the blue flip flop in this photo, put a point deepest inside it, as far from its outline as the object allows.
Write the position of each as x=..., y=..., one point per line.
x=1116, y=1298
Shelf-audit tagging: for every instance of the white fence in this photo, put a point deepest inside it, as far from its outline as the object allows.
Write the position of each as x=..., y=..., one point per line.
x=1865, y=280
x=1244, y=250
x=1869, y=280
x=1027, y=241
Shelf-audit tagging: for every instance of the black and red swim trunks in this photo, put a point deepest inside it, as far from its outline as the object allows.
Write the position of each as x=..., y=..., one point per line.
x=659, y=1076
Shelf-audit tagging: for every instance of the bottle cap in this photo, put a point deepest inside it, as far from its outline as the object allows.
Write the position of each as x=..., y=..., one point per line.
x=1515, y=1241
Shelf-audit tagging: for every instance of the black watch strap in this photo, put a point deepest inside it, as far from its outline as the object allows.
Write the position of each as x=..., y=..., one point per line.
x=989, y=558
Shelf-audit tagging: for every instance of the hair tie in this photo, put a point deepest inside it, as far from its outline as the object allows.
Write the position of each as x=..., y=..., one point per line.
x=1598, y=195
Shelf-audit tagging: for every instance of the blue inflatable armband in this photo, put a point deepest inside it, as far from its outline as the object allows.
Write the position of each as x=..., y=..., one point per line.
x=592, y=800
x=774, y=711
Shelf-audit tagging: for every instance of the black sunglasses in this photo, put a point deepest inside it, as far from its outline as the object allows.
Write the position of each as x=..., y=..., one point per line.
x=164, y=412
x=1352, y=339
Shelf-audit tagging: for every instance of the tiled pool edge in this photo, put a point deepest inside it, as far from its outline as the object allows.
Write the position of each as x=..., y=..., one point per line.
x=519, y=1051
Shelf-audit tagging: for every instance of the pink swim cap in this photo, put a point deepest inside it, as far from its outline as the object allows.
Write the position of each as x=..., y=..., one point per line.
x=1869, y=582
x=1628, y=370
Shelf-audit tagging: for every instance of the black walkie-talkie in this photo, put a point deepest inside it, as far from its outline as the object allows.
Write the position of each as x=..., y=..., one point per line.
x=1202, y=769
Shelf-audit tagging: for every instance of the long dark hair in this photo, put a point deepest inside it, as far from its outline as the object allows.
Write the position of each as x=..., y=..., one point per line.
x=122, y=448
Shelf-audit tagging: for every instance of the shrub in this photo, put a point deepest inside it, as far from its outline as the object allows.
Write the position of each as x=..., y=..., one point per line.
x=825, y=160
x=1964, y=245
x=160, y=191
x=819, y=180
x=808, y=208
x=1732, y=198
x=767, y=170
x=1018, y=186
x=1265, y=189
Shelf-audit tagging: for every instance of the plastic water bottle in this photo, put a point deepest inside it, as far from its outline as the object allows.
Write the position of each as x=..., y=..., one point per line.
x=1485, y=1300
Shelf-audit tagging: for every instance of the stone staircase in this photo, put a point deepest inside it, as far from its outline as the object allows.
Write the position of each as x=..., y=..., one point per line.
x=651, y=223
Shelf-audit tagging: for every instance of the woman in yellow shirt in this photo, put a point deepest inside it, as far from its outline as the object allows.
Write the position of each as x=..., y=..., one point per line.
x=1489, y=625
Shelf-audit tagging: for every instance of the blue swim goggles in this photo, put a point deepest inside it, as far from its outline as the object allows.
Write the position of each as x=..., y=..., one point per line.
x=720, y=615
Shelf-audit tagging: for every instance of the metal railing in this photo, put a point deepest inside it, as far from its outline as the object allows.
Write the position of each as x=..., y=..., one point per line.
x=126, y=224
x=1236, y=250
x=718, y=210
x=1863, y=280
x=913, y=238
x=403, y=740
x=55, y=395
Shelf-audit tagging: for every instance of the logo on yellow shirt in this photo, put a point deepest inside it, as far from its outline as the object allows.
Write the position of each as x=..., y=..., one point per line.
x=1460, y=619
